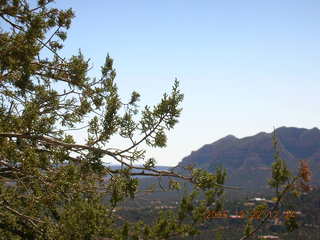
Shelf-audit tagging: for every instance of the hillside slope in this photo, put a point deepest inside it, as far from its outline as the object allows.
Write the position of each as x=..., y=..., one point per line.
x=248, y=160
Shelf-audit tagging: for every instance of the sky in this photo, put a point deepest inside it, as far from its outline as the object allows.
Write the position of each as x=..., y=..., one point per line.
x=243, y=66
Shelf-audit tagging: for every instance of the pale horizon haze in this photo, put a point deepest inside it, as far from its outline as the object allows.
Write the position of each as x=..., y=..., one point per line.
x=243, y=66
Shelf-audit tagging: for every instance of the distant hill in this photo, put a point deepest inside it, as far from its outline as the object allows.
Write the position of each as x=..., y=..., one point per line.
x=248, y=160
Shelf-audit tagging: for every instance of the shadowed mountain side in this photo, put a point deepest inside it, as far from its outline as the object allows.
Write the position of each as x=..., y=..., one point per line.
x=248, y=160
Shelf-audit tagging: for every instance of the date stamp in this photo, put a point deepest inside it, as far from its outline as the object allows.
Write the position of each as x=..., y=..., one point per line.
x=256, y=214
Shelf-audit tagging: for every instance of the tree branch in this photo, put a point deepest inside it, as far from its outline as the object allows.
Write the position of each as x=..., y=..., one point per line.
x=276, y=206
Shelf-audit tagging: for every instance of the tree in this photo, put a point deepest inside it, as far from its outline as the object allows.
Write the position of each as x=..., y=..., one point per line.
x=284, y=183
x=51, y=186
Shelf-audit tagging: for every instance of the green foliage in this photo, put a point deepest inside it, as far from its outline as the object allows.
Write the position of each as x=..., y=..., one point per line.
x=284, y=183
x=249, y=228
x=291, y=223
x=150, y=163
x=205, y=180
x=52, y=186
x=280, y=172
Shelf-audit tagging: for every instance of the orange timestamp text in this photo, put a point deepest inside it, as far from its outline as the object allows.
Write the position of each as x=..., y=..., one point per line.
x=257, y=214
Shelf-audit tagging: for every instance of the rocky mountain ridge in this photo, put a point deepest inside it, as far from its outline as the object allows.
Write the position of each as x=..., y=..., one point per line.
x=248, y=160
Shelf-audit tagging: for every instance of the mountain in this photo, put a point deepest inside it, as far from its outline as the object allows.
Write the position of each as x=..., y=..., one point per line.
x=248, y=160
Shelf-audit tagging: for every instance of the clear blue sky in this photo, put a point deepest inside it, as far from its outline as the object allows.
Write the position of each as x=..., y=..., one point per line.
x=244, y=66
